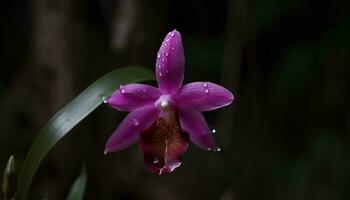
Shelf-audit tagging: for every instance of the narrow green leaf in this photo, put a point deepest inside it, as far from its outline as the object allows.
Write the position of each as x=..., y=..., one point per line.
x=78, y=188
x=9, y=170
x=68, y=117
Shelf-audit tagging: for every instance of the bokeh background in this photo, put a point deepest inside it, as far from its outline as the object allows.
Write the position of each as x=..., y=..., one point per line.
x=285, y=137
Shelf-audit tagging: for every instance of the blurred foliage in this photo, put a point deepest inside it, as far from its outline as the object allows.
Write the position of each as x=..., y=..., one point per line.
x=291, y=117
x=71, y=115
x=299, y=68
x=7, y=176
x=204, y=54
x=78, y=188
x=268, y=12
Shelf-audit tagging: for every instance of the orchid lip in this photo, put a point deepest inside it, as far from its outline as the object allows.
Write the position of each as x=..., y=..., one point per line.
x=163, y=144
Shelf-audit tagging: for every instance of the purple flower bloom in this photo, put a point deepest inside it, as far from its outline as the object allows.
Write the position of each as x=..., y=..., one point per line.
x=165, y=119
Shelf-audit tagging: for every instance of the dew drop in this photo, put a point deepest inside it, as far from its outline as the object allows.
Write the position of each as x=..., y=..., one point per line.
x=213, y=131
x=206, y=91
x=103, y=98
x=155, y=161
x=205, y=85
x=172, y=48
x=172, y=34
x=158, y=56
x=135, y=122
x=160, y=74
x=105, y=152
x=167, y=40
x=122, y=89
x=217, y=149
x=163, y=60
x=166, y=54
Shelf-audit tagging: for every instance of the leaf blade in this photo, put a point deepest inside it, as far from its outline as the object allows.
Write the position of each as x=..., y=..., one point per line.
x=78, y=188
x=69, y=116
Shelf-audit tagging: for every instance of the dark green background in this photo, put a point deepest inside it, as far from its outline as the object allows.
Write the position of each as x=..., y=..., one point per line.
x=285, y=137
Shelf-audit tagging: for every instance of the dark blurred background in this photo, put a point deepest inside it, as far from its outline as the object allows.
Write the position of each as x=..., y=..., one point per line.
x=285, y=137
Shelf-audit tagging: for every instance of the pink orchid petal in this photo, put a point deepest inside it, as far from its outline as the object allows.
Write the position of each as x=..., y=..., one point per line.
x=133, y=96
x=170, y=64
x=193, y=122
x=162, y=145
x=128, y=131
x=204, y=96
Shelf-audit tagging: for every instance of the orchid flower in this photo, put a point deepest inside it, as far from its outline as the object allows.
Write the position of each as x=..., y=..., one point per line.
x=166, y=118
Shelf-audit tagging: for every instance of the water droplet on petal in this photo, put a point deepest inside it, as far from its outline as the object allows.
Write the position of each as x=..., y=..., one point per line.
x=158, y=56
x=160, y=74
x=135, y=122
x=122, y=89
x=167, y=40
x=213, y=131
x=163, y=60
x=166, y=54
x=217, y=149
x=206, y=91
x=172, y=34
x=205, y=85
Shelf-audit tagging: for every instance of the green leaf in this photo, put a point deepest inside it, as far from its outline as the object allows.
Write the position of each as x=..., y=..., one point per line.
x=78, y=188
x=67, y=118
x=9, y=170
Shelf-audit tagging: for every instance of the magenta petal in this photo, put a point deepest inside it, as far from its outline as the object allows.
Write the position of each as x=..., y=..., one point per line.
x=133, y=96
x=193, y=122
x=170, y=64
x=204, y=96
x=128, y=131
x=163, y=144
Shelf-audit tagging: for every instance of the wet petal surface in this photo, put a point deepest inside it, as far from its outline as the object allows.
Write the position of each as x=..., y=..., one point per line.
x=128, y=131
x=204, y=96
x=133, y=96
x=193, y=122
x=170, y=63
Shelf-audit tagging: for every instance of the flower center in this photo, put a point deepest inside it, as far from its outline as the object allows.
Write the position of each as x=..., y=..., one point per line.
x=165, y=103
